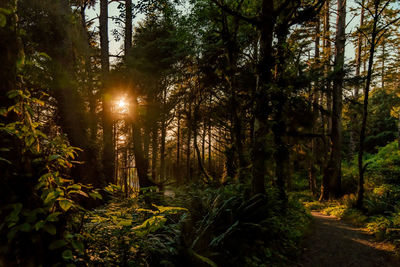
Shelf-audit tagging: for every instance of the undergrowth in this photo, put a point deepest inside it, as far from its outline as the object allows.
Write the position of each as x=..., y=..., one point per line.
x=197, y=227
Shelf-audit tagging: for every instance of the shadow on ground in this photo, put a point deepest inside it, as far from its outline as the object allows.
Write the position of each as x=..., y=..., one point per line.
x=333, y=243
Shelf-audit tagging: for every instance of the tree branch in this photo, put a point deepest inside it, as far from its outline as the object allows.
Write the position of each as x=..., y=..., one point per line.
x=254, y=20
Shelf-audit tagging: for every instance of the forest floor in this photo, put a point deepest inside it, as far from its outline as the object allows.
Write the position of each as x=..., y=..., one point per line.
x=332, y=242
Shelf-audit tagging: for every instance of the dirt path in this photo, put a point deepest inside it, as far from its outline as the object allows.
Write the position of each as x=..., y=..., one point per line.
x=333, y=243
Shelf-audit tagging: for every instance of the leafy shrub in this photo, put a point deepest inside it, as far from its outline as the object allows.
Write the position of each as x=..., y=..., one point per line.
x=123, y=233
x=384, y=166
x=39, y=220
x=215, y=226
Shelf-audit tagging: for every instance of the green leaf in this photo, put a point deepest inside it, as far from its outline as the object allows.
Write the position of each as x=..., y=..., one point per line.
x=57, y=244
x=3, y=20
x=5, y=160
x=66, y=204
x=25, y=227
x=50, y=228
x=79, y=192
x=53, y=217
x=205, y=260
x=39, y=225
x=75, y=186
x=54, y=157
x=125, y=223
x=95, y=195
x=78, y=245
x=170, y=210
x=51, y=197
x=5, y=11
x=14, y=93
x=67, y=254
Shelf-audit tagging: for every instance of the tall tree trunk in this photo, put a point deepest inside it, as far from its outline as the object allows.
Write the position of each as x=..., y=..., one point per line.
x=108, y=149
x=70, y=108
x=154, y=151
x=189, y=138
x=141, y=162
x=335, y=162
x=353, y=130
x=178, y=174
x=163, y=134
x=203, y=142
x=315, y=97
x=128, y=27
x=209, y=138
x=383, y=66
x=327, y=58
x=260, y=154
x=281, y=154
x=361, y=169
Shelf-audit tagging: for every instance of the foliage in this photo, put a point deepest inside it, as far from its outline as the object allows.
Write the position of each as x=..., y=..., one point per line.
x=384, y=166
x=214, y=226
x=234, y=229
x=41, y=222
x=124, y=234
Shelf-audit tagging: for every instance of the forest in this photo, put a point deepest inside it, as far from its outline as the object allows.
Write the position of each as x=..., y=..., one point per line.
x=199, y=133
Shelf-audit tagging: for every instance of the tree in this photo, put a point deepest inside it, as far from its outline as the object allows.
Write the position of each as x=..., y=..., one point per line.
x=376, y=33
x=333, y=170
x=108, y=144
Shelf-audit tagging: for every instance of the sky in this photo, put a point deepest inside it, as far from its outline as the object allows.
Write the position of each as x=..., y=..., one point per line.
x=117, y=46
x=114, y=46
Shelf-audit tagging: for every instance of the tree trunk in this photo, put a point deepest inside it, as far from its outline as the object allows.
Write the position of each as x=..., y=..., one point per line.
x=128, y=27
x=327, y=56
x=353, y=130
x=154, y=151
x=108, y=149
x=335, y=162
x=209, y=139
x=315, y=97
x=360, y=189
x=162, y=150
x=141, y=162
x=189, y=138
x=260, y=154
x=383, y=66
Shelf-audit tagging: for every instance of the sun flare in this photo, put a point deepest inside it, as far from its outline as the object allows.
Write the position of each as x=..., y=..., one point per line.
x=121, y=105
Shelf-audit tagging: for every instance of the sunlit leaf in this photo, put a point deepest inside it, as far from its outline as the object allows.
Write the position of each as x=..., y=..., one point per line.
x=66, y=204
x=95, y=195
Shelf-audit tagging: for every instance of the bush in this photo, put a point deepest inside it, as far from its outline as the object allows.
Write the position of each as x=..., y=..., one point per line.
x=215, y=226
x=384, y=166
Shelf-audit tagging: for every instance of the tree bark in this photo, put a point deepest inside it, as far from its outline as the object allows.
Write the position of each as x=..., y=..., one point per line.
x=189, y=138
x=353, y=130
x=154, y=151
x=361, y=169
x=142, y=163
x=335, y=162
x=260, y=154
x=128, y=27
x=327, y=129
x=108, y=149
x=315, y=97
x=163, y=135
